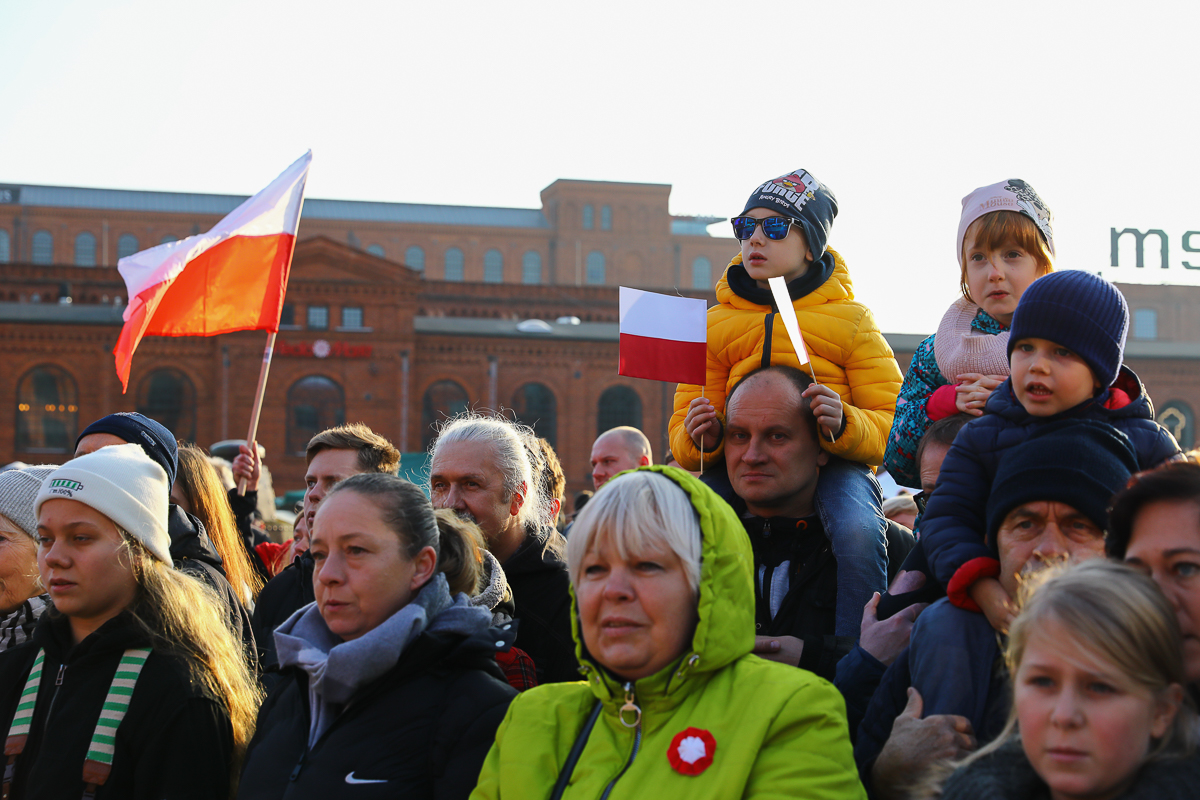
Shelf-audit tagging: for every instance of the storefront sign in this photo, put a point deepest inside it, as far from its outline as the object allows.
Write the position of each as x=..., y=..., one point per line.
x=1160, y=238
x=323, y=349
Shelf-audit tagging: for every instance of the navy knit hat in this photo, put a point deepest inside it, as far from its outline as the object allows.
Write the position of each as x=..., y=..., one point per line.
x=1082, y=463
x=1080, y=311
x=803, y=198
x=135, y=428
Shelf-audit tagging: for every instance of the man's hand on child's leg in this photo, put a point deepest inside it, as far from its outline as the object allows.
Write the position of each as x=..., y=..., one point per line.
x=994, y=600
x=826, y=406
x=702, y=424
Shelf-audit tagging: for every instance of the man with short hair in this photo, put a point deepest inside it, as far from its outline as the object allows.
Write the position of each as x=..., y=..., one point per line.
x=619, y=449
x=332, y=455
x=480, y=467
x=1048, y=504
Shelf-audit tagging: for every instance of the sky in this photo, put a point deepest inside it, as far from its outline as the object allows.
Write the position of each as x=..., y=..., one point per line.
x=900, y=108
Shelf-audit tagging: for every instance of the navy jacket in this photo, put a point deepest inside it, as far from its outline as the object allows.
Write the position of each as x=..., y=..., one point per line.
x=954, y=525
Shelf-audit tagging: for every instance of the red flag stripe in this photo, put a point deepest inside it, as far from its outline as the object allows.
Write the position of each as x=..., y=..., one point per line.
x=662, y=359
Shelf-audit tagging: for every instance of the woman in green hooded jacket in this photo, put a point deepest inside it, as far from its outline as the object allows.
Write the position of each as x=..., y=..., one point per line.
x=674, y=703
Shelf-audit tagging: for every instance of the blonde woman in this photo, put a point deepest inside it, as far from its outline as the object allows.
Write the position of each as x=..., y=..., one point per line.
x=22, y=597
x=133, y=685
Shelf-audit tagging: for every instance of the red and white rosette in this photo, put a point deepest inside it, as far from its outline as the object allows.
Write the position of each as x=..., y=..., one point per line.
x=691, y=751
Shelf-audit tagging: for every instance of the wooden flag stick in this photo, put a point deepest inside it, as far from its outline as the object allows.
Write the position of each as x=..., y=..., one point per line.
x=252, y=435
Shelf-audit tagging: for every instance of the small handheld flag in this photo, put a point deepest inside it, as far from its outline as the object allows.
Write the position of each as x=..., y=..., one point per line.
x=663, y=337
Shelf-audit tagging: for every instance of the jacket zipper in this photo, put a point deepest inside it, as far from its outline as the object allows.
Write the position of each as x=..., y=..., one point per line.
x=62, y=670
x=768, y=324
x=632, y=708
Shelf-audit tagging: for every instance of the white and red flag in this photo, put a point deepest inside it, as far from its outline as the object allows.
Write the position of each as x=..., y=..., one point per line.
x=232, y=278
x=663, y=337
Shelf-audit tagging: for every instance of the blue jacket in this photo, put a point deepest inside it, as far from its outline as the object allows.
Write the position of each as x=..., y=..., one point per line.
x=954, y=525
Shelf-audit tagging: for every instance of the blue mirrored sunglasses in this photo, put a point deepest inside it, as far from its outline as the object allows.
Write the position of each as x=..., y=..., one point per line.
x=775, y=228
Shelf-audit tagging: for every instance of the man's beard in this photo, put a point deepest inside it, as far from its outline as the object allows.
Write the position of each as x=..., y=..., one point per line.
x=465, y=515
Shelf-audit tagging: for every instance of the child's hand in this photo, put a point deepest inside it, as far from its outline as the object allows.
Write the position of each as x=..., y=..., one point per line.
x=996, y=604
x=973, y=391
x=702, y=424
x=826, y=407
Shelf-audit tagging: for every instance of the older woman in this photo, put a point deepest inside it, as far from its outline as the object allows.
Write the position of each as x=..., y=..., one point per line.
x=390, y=680
x=22, y=596
x=675, y=704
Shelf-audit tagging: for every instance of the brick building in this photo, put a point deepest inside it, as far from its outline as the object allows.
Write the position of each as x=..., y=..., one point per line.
x=398, y=315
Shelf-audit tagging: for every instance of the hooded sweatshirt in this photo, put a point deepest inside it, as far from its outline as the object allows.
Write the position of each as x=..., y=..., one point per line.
x=770, y=730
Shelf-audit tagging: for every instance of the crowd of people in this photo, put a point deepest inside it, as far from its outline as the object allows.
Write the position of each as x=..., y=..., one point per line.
x=747, y=619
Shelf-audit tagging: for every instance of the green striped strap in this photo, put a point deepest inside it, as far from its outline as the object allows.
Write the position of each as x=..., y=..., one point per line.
x=23, y=719
x=115, y=705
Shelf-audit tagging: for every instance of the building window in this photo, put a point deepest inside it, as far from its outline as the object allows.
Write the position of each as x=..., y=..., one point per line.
x=85, y=250
x=442, y=400
x=493, y=266
x=287, y=316
x=702, y=273
x=589, y=216
x=43, y=248
x=5, y=252
x=376, y=250
x=352, y=317
x=619, y=405
x=415, y=258
x=595, y=268
x=1145, y=323
x=168, y=239
x=1176, y=416
x=531, y=267
x=606, y=218
x=127, y=245
x=47, y=411
x=169, y=397
x=318, y=318
x=315, y=403
x=534, y=405
x=454, y=264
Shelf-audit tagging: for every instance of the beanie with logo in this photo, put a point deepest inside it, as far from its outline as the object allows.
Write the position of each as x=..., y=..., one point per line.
x=1011, y=195
x=803, y=198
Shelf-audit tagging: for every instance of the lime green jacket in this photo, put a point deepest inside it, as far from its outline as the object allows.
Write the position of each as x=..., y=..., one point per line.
x=779, y=731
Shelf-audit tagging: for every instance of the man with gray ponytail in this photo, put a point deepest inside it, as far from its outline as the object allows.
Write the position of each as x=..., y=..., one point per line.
x=481, y=468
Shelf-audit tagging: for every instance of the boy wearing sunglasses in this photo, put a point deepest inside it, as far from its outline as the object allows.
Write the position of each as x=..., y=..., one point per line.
x=783, y=230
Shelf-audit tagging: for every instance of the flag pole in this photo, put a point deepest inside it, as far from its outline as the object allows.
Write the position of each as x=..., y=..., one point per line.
x=252, y=434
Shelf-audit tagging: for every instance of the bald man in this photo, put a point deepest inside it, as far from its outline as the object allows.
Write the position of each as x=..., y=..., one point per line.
x=617, y=450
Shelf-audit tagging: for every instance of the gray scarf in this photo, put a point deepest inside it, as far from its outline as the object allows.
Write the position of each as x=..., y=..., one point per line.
x=17, y=625
x=337, y=669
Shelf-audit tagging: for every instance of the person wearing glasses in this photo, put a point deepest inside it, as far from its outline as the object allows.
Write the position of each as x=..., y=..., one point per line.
x=783, y=232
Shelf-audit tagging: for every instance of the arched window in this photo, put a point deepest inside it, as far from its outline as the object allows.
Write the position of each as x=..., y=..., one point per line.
x=531, y=267
x=454, y=264
x=1176, y=416
x=376, y=250
x=606, y=218
x=43, y=248
x=619, y=405
x=534, y=405
x=85, y=250
x=5, y=251
x=168, y=396
x=47, y=411
x=493, y=266
x=589, y=218
x=314, y=404
x=168, y=239
x=415, y=258
x=595, y=268
x=127, y=245
x=442, y=400
x=702, y=273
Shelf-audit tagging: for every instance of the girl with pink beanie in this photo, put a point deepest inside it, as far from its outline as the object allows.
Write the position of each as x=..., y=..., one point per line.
x=1005, y=243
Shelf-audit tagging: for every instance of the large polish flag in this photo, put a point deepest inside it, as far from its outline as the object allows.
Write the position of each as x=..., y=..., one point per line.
x=232, y=278
x=663, y=337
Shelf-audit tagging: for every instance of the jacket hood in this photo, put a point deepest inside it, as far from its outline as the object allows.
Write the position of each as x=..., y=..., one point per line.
x=1004, y=401
x=725, y=607
x=738, y=290
x=189, y=539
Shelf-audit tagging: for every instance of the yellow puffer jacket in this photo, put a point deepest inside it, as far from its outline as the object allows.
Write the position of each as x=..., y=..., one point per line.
x=849, y=355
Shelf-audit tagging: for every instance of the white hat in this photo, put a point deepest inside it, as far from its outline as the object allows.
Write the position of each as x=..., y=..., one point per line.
x=18, y=487
x=123, y=484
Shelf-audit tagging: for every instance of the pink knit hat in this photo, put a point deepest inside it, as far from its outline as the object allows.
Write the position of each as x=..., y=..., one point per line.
x=1011, y=195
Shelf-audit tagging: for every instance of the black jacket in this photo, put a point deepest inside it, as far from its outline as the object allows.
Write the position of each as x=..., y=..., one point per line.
x=194, y=554
x=541, y=591
x=284, y=595
x=244, y=506
x=172, y=724
x=420, y=731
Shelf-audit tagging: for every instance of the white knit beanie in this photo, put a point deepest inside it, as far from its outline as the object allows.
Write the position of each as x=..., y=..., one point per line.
x=18, y=488
x=123, y=484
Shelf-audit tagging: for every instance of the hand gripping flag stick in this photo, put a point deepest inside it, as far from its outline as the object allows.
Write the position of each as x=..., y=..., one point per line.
x=787, y=312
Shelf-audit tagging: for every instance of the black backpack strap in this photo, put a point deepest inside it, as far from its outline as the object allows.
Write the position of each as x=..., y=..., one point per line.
x=564, y=777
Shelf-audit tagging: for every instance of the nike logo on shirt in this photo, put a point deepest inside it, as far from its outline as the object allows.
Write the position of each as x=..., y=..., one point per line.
x=351, y=779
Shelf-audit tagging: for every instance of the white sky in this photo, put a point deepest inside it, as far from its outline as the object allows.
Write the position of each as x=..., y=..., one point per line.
x=901, y=108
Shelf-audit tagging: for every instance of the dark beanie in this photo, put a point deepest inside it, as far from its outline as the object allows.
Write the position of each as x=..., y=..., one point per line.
x=1080, y=311
x=1082, y=463
x=803, y=198
x=135, y=428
